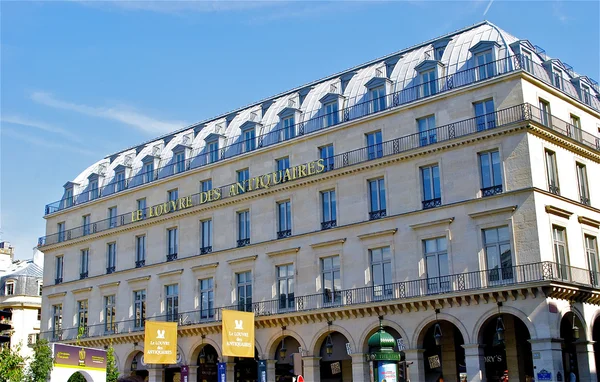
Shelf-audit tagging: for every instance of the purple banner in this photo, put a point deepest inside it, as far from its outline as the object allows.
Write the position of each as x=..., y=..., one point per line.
x=81, y=357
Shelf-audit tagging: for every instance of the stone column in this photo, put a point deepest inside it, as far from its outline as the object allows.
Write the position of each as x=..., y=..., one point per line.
x=230, y=369
x=474, y=362
x=586, y=361
x=360, y=368
x=312, y=369
x=416, y=371
x=156, y=374
x=271, y=370
x=547, y=355
x=448, y=353
x=192, y=373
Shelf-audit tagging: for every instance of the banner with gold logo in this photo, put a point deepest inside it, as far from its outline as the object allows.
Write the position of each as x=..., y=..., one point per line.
x=160, y=342
x=238, y=333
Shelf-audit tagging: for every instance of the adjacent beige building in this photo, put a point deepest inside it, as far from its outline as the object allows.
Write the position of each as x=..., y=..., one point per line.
x=450, y=191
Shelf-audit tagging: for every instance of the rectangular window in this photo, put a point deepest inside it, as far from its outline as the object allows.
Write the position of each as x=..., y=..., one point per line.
x=585, y=95
x=498, y=254
x=60, y=227
x=485, y=116
x=172, y=302
x=206, y=185
x=141, y=206
x=428, y=83
x=439, y=53
x=283, y=164
x=328, y=206
x=39, y=315
x=179, y=161
x=59, y=269
x=436, y=262
x=377, y=99
x=552, y=172
x=582, y=182
x=110, y=314
x=82, y=317
x=332, y=115
x=244, y=291
x=111, y=257
x=83, y=263
x=112, y=217
x=289, y=128
x=527, y=61
x=326, y=153
x=427, y=130
x=374, y=145
x=172, y=244
x=68, y=197
x=574, y=128
x=93, y=189
x=139, y=308
x=148, y=172
x=86, y=224
x=213, y=151
x=40, y=288
x=545, y=116
x=557, y=78
x=207, y=299
x=432, y=192
x=491, y=173
x=120, y=181
x=381, y=272
x=485, y=65
x=284, y=218
x=206, y=236
x=561, y=253
x=172, y=195
x=331, y=280
x=377, y=205
x=9, y=289
x=591, y=248
x=140, y=251
x=57, y=321
x=242, y=178
x=285, y=286
x=249, y=142
x=243, y=218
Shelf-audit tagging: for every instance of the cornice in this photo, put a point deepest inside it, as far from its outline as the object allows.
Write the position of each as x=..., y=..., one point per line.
x=109, y=285
x=202, y=267
x=328, y=243
x=81, y=290
x=378, y=234
x=56, y=295
x=432, y=223
x=558, y=211
x=138, y=279
x=496, y=211
x=242, y=259
x=283, y=251
x=170, y=273
x=588, y=221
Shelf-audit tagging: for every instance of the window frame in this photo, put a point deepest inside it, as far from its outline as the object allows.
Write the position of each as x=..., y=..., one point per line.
x=334, y=295
x=244, y=285
x=500, y=274
x=206, y=312
x=427, y=133
x=172, y=302
x=431, y=187
x=286, y=301
x=206, y=238
x=562, y=267
x=495, y=186
x=374, y=144
x=582, y=183
x=110, y=314
x=284, y=219
x=381, y=290
x=139, y=306
x=84, y=258
x=328, y=160
x=552, y=172
x=111, y=257
x=140, y=251
x=439, y=283
x=328, y=200
x=172, y=243
x=485, y=119
x=243, y=234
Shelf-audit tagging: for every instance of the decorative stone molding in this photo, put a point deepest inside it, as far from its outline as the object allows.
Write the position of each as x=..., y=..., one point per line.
x=432, y=223
x=242, y=259
x=378, y=233
x=588, y=221
x=283, y=251
x=138, y=279
x=328, y=243
x=81, y=290
x=108, y=285
x=170, y=273
x=496, y=211
x=558, y=212
x=203, y=267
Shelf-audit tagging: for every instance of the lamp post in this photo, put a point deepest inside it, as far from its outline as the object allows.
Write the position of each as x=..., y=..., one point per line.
x=329, y=341
x=283, y=350
x=134, y=364
x=500, y=329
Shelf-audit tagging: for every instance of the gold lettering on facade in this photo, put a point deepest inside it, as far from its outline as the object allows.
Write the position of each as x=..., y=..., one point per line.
x=302, y=171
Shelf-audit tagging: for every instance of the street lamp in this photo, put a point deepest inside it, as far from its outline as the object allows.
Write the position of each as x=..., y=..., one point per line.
x=575, y=329
x=500, y=329
x=134, y=364
x=329, y=341
x=283, y=350
x=437, y=334
x=202, y=357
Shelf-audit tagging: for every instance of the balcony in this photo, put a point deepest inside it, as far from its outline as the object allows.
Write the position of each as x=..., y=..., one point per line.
x=328, y=224
x=140, y=263
x=110, y=270
x=477, y=282
x=283, y=234
x=554, y=189
x=358, y=109
x=243, y=242
x=206, y=250
x=584, y=200
x=58, y=280
x=491, y=191
x=171, y=256
x=431, y=203
x=374, y=215
x=452, y=131
x=83, y=275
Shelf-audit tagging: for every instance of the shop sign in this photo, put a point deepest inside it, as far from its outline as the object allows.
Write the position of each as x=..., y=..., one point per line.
x=383, y=357
x=434, y=362
x=185, y=372
x=77, y=357
x=160, y=342
x=222, y=371
x=238, y=333
x=544, y=375
x=336, y=368
x=262, y=370
x=387, y=372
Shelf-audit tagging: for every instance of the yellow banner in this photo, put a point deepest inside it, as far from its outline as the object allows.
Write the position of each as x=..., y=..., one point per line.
x=238, y=334
x=160, y=342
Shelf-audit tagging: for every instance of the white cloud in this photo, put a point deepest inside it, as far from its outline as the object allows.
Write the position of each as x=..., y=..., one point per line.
x=121, y=114
x=44, y=142
x=488, y=7
x=25, y=121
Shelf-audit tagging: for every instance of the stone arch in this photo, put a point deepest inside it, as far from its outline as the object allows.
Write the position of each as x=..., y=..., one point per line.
x=273, y=342
x=319, y=337
x=85, y=374
x=364, y=337
x=595, y=317
x=130, y=357
x=420, y=331
x=197, y=347
x=484, y=319
x=580, y=317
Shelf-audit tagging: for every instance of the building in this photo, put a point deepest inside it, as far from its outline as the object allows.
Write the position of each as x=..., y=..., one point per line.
x=450, y=190
x=20, y=298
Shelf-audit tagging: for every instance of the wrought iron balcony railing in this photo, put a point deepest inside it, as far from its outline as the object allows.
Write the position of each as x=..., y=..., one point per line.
x=492, y=190
x=329, y=224
x=504, y=117
x=389, y=293
x=140, y=263
x=283, y=234
x=554, y=189
x=83, y=275
x=110, y=270
x=432, y=203
x=171, y=256
x=318, y=120
x=243, y=242
x=374, y=215
x=205, y=250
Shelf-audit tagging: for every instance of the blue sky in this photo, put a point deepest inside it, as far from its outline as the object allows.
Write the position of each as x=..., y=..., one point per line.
x=81, y=80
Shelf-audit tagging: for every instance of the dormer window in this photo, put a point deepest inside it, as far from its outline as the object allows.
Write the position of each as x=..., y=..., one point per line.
x=439, y=47
x=585, y=94
x=332, y=113
x=148, y=172
x=68, y=197
x=249, y=136
x=527, y=61
x=9, y=288
x=179, y=161
x=377, y=98
x=289, y=128
x=429, y=83
x=484, y=63
x=213, y=151
x=93, y=189
x=120, y=180
x=557, y=78
x=439, y=53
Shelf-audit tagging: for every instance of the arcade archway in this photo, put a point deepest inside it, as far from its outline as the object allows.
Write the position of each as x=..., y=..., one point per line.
x=596, y=339
x=136, y=365
x=335, y=364
x=571, y=330
x=246, y=369
x=207, y=362
x=443, y=355
x=285, y=354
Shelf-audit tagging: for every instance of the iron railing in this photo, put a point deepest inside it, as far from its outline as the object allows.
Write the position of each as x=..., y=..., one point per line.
x=358, y=107
x=514, y=114
x=388, y=293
